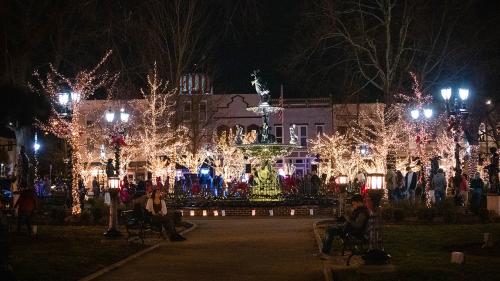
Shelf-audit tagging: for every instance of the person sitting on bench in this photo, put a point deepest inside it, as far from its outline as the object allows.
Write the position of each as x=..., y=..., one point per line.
x=354, y=225
x=158, y=216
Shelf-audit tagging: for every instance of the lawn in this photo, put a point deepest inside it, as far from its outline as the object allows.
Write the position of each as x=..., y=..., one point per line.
x=66, y=252
x=422, y=252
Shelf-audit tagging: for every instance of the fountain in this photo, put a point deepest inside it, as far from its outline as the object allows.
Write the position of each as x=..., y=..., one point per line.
x=265, y=148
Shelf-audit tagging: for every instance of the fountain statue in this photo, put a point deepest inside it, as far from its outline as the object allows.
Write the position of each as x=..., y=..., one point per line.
x=265, y=148
x=293, y=135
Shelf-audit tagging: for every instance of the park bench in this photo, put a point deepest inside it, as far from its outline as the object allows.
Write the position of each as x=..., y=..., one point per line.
x=137, y=227
x=357, y=246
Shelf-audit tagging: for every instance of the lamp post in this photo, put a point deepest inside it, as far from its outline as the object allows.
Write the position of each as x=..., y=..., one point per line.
x=117, y=141
x=114, y=187
x=457, y=112
x=36, y=147
x=376, y=254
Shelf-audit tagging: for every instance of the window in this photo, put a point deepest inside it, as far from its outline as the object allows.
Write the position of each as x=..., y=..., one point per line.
x=302, y=135
x=203, y=111
x=187, y=111
x=319, y=129
x=279, y=133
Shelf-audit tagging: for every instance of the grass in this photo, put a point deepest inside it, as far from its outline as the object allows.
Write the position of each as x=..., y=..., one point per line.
x=422, y=252
x=65, y=252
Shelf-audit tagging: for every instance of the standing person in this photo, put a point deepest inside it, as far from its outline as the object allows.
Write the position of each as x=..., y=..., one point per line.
x=439, y=185
x=464, y=189
x=316, y=182
x=95, y=187
x=81, y=191
x=477, y=186
x=391, y=183
x=400, y=180
x=46, y=186
x=26, y=206
x=157, y=209
x=410, y=184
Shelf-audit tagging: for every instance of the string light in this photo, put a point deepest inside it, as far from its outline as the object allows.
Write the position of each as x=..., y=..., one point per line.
x=80, y=88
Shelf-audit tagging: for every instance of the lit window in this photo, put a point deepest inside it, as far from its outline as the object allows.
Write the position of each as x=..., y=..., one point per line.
x=279, y=134
x=319, y=129
x=303, y=135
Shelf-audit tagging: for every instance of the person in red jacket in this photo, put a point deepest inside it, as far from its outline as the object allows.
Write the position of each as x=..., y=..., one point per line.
x=26, y=205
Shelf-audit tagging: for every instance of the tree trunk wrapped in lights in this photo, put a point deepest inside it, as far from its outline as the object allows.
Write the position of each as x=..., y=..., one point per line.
x=70, y=126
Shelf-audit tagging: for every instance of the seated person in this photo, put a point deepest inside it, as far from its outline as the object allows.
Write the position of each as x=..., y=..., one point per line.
x=354, y=225
x=156, y=214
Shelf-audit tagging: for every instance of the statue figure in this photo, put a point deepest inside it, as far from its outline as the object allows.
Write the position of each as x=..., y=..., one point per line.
x=265, y=133
x=260, y=88
x=493, y=170
x=293, y=135
x=23, y=166
x=239, y=135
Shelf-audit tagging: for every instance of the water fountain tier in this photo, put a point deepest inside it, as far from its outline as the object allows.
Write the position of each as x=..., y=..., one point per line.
x=265, y=148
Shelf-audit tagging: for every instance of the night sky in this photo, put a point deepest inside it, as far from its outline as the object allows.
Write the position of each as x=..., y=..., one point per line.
x=263, y=35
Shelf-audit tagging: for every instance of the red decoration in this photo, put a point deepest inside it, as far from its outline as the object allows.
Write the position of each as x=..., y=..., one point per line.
x=118, y=140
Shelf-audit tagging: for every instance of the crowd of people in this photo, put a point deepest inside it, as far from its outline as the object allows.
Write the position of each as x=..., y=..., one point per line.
x=416, y=187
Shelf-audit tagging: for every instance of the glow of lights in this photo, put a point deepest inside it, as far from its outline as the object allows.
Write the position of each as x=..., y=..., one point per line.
x=253, y=212
x=223, y=213
x=191, y=213
x=446, y=94
x=488, y=102
x=375, y=181
x=216, y=213
x=271, y=213
x=311, y=212
x=109, y=115
x=114, y=182
x=75, y=96
x=36, y=145
x=63, y=99
x=343, y=179
x=204, y=213
x=415, y=113
x=292, y=212
x=463, y=94
x=204, y=171
x=281, y=172
x=428, y=113
x=124, y=116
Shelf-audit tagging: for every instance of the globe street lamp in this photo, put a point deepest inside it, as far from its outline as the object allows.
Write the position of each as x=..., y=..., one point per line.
x=457, y=113
x=117, y=140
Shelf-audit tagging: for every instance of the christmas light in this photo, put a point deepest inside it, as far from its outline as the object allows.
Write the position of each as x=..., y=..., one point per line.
x=81, y=87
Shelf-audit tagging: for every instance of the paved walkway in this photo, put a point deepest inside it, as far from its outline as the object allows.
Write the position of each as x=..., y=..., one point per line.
x=236, y=249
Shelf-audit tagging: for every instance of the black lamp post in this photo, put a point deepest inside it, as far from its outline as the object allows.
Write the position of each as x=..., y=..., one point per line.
x=114, y=180
x=457, y=112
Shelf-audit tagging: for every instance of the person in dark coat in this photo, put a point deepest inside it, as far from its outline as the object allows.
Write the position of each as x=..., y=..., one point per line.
x=355, y=225
x=410, y=183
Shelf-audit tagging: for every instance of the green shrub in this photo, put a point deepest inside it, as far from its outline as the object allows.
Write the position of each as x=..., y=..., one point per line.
x=484, y=215
x=426, y=214
x=57, y=215
x=85, y=217
x=399, y=214
x=387, y=213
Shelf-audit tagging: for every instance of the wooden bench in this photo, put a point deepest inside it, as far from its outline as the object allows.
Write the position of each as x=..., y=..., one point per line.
x=137, y=227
